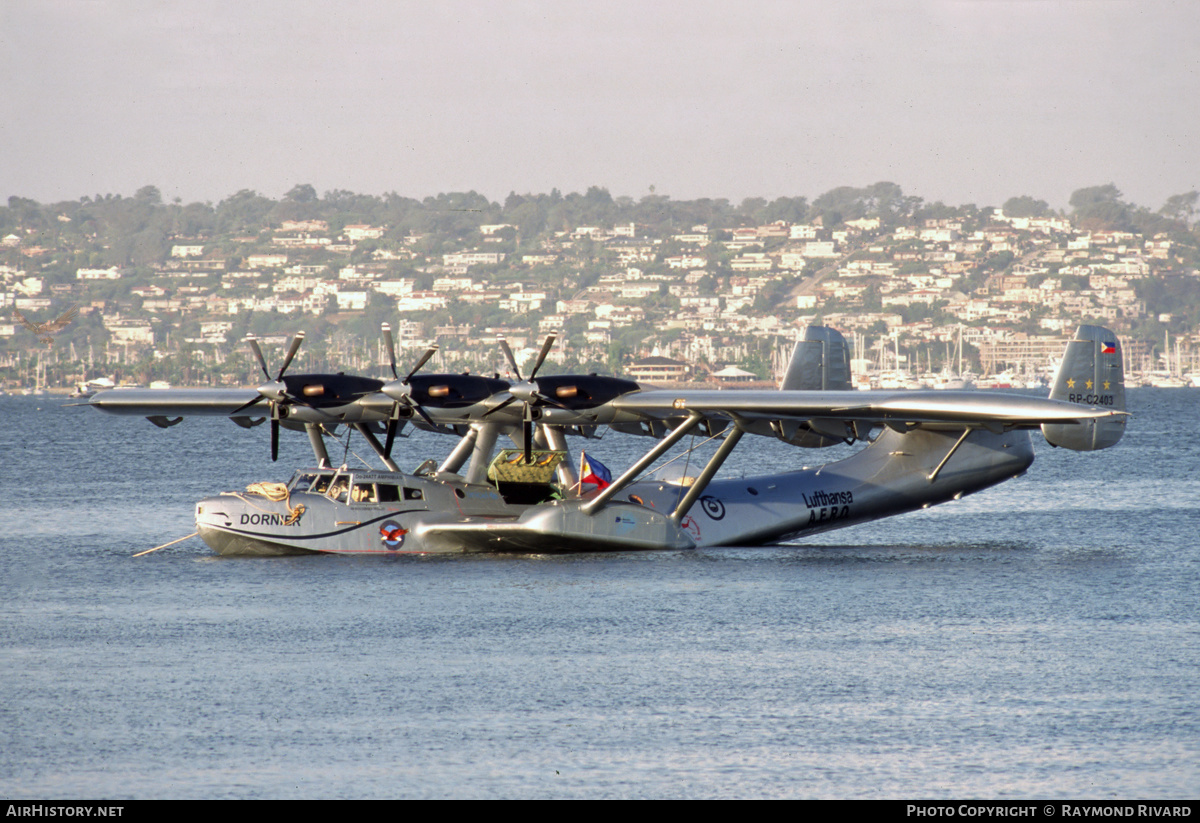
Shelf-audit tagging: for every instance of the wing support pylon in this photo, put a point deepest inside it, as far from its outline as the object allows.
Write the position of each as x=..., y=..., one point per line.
x=710, y=469
x=318, y=444
x=937, y=469
x=596, y=503
x=376, y=446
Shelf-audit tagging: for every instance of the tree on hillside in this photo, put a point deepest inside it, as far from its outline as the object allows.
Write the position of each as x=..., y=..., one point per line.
x=301, y=193
x=1100, y=207
x=1181, y=206
x=149, y=196
x=1026, y=206
x=883, y=200
x=245, y=211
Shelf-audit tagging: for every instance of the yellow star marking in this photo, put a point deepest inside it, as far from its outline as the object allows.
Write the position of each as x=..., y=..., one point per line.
x=1089, y=384
x=1070, y=382
x=1106, y=385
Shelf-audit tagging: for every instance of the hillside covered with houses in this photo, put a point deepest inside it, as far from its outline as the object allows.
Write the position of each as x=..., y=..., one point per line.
x=653, y=289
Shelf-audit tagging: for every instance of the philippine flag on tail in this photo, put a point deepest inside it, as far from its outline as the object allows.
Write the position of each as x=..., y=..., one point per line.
x=1108, y=348
x=593, y=471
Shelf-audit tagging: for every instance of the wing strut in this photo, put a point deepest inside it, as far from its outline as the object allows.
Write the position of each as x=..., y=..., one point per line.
x=481, y=453
x=597, y=502
x=318, y=444
x=701, y=483
x=374, y=443
x=455, y=460
x=933, y=474
x=555, y=439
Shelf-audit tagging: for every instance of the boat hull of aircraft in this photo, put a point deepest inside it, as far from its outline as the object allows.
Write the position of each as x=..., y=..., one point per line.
x=414, y=519
x=895, y=474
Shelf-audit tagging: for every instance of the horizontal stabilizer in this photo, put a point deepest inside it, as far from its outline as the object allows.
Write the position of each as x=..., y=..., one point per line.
x=820, y=362
x=1091, y=374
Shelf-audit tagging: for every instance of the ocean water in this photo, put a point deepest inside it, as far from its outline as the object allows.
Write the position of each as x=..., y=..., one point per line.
x=1039, y=639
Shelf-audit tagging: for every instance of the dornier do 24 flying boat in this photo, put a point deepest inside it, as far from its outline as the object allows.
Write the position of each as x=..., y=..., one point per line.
x=919, y=448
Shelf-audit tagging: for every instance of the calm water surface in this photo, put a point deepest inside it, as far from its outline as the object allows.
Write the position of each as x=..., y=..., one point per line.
x=1040, y=639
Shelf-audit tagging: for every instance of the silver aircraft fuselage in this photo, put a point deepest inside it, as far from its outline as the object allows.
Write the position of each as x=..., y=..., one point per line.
x=397, y=513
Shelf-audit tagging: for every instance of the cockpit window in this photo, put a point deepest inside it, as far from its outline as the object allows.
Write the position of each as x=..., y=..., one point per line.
x=363, y=493
x=338, y=488
x=303, y=481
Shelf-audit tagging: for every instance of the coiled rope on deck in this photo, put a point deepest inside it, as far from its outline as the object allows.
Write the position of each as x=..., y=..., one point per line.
x=276, y=493
x=272, y=491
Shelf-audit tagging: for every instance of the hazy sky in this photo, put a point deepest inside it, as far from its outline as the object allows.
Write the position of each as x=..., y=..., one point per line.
x=965, y=102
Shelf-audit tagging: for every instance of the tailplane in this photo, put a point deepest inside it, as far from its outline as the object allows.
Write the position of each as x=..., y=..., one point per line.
x=820, y=362
x=1091, y=374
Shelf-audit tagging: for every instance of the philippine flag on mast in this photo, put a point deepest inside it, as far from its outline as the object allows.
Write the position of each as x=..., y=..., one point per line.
x=593, y=471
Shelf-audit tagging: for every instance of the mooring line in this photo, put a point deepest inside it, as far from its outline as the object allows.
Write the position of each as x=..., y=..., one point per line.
x=164, y=545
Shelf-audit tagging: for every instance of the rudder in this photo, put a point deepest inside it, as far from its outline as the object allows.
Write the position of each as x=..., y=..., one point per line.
x=1091, y=374
x=820, y=362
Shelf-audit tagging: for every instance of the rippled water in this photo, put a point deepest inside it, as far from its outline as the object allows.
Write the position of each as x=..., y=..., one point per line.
x=1040, y=639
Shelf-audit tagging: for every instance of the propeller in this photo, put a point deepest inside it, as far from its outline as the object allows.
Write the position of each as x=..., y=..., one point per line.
x=582, y=394
x=274, y=391
x=526, y=391
x=402, y=394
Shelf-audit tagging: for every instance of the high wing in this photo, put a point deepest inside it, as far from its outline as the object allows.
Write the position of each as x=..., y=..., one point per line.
x=315, y=403
x=1085, y=410
x=314, y=398
x=903, y=409
x=175, y=402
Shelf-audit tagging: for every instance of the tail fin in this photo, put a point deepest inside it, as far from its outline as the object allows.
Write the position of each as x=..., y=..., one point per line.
x=820, y=362
x=1091, y=374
